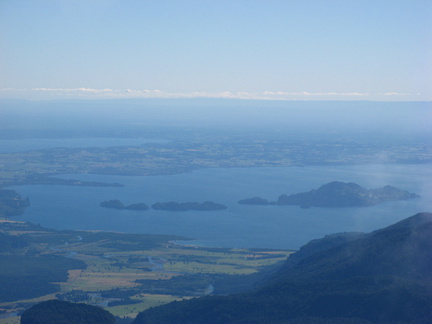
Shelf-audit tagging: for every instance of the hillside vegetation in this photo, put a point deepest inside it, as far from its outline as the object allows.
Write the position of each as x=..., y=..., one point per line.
x=56, y=312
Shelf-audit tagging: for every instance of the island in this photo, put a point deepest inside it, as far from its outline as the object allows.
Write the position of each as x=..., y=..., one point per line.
x=175, y=206
x=11, y=203
x=117, y=204
x=337, y=194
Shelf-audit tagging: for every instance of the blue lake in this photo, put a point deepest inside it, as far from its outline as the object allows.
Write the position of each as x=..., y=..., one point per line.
x=289, y=227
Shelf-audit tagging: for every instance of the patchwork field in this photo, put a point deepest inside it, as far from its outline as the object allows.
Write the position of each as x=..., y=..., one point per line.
x=124, y=273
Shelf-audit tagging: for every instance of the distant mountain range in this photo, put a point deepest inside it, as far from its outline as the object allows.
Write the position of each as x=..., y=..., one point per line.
x=337, y=194
x=381, y=277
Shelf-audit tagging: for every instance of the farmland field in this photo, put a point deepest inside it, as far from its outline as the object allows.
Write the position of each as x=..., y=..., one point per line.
x=127, y=273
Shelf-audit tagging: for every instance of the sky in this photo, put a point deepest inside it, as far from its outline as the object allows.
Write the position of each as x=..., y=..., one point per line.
x=247, y=49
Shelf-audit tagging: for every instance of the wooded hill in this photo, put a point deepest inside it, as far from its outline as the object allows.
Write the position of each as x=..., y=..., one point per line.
x=57, y=311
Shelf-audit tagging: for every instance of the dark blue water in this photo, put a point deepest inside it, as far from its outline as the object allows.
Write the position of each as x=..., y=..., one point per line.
x=66, y=207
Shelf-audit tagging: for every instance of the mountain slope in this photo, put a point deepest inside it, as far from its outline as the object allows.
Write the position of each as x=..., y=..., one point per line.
x=381, y=277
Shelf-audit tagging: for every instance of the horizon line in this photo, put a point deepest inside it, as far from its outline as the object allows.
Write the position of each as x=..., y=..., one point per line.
x=107, y=93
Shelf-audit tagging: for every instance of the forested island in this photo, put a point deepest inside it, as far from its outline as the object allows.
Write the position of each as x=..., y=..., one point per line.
x=175, y=206
x=11, y=203
x=337, y=194
x=171, y=206
x=117, y=204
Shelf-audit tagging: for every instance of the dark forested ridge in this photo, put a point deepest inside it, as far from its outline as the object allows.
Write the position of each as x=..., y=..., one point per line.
x=62, y=312
x=381, y=277
x=337, y=194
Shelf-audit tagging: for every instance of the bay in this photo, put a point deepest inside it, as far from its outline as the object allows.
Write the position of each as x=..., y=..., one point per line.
x=287, y=227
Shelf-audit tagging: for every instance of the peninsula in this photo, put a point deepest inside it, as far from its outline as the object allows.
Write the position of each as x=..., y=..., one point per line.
x=337, y=194
x=11, y=203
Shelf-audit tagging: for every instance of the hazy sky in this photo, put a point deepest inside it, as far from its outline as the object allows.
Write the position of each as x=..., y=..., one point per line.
x=276, y=49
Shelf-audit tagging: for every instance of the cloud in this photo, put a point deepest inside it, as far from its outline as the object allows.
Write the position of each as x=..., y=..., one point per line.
x=312, y=94
x=89, y=93
x=87, y=90
x=395, y=94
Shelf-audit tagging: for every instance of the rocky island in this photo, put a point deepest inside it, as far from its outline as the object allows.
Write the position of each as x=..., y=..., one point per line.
x=117, y=204
x=175, y=206
x=337, y=194
x=11, y=203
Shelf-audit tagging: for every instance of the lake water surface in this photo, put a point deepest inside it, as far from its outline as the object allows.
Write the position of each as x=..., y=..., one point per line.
x=288, y=227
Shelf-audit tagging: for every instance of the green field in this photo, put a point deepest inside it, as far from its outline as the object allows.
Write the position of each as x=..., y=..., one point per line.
x=124, y=273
